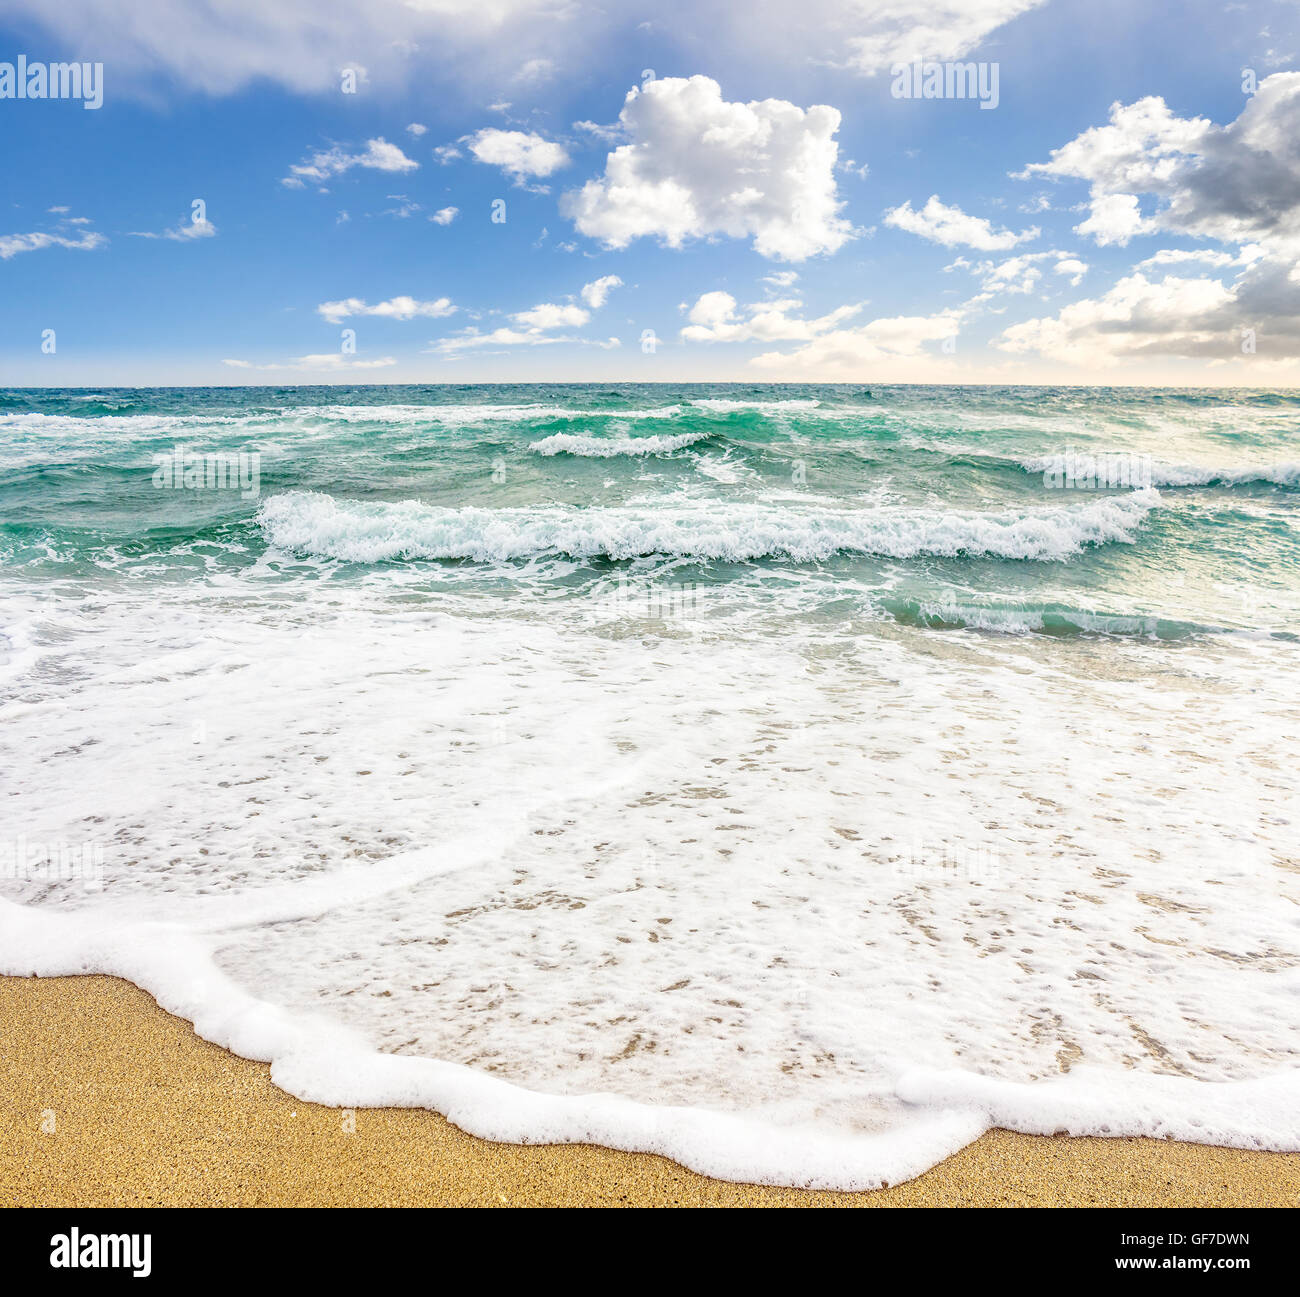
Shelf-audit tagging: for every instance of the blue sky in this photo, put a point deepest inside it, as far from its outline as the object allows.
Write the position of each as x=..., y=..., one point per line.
x=1126, y=213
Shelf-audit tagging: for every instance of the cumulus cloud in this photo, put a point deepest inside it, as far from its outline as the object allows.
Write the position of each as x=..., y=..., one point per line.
x=1135, y=317
x=905, y=345
x=1022, y=273
x=1174, y=317
x=953, y=228
x=548, y=315
x=395, y=308
x=1114, y=219
x=696, y=165
x=521, y=155
x=378, y=155
x=1073, y=269
x=596, y=293
x=537, y=326
x=445, y=215
x=715, y=317
x=1236, y=183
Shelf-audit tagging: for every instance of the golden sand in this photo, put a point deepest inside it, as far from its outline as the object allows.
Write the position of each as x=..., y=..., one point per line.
x=105, y=1100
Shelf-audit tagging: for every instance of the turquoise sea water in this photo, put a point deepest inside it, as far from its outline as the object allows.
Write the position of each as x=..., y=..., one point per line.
x=901, y=501
x=792, y=780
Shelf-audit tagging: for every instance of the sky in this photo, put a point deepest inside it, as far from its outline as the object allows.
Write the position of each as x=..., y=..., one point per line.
x=448, y=191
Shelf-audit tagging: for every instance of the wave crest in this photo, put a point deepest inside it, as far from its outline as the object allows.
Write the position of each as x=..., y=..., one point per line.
x=568, y=443
x=320, y=526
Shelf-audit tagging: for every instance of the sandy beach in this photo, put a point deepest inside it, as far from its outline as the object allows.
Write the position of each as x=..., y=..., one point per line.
x=105, y=1100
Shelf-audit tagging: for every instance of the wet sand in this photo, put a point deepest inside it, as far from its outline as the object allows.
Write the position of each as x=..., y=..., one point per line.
x=105, y=1100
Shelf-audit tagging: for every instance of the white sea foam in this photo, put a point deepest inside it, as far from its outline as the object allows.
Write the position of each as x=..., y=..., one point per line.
x=719, y=468
x=706, y=902
x=726, y=405
x=564, y=443
x=61, y=425
x=1279, y=474
x=317, y=524
x=1158, y=473
x=462, y=415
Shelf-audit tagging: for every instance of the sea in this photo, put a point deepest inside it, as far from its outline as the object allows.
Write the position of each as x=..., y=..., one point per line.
x=794, y=781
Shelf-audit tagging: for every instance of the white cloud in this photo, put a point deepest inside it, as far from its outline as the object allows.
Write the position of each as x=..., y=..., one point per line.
x=520, y=155
x=184, y=232
x=1114, y=220
x=1126, y=321
x=395, y=308
x=1020, y=274
x=696, y=165
x=1177, y=317
x=607, y=134
x=1236, y=183
x=303, y=44
x=536, y=70
x=405, y=207
x=217, y=49
x=905, y=344
x=1206, y=256
x=952, y=227
x=894, y=31
x=84, y=240
x=535, y=327
x=548, y=315
x=597, y=292
x=715, y=318
x=445, y=215
x=324, y=362
x=379, y=155
x=1073, y=268
x=416, y=129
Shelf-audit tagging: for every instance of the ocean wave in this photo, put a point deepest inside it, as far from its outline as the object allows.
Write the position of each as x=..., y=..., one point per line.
x=57, y=424
x=566, y=443
x=467, y=414
x=724, y=405
x=318, y=525
x=1280, y=474
x=1042, y=619
x=395, y=414
x=1156, y=473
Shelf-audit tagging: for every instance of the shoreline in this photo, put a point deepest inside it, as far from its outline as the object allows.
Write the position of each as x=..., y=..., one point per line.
x=139, y=1111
